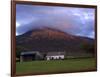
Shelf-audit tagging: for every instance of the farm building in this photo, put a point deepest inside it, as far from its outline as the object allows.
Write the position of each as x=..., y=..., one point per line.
x=55, y=55
x=35, y=55
x=30, y=55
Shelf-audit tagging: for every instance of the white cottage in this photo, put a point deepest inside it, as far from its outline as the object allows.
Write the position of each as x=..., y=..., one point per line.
x=55, y=55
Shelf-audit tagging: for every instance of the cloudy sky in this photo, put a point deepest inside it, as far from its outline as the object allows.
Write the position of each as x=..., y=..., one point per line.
x=76, y=21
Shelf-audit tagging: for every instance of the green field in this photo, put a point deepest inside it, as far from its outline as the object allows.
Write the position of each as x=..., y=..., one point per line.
x=54, y=66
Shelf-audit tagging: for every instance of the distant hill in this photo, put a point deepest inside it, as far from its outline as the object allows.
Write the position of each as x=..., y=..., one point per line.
x=48, y=39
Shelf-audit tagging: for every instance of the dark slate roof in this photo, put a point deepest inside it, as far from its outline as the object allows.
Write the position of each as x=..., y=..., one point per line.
x=29, y=52
x=55, y=53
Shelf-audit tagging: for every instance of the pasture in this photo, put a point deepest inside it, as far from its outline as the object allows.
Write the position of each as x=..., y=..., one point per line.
x=54, y=66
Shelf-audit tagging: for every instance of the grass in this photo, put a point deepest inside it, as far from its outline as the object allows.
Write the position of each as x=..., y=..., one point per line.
x=55, y=66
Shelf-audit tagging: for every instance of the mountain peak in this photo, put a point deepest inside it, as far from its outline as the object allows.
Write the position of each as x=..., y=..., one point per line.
x=50, y=39
x=48, y=33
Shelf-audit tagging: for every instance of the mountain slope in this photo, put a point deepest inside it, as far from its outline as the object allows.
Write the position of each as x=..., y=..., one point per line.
x=47, y=39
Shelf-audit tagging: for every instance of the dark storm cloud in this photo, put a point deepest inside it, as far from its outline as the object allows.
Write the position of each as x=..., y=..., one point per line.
x=76, y=21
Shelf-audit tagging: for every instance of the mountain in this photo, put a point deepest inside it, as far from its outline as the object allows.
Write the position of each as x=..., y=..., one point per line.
x=48, y=39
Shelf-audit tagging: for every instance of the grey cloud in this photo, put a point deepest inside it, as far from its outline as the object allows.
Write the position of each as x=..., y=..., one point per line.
x=71, y=20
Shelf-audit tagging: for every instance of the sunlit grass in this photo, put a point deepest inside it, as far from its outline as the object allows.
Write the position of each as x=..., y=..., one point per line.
x=55, y=65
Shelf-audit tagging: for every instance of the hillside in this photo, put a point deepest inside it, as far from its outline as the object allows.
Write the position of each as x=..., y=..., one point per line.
x=48, y=39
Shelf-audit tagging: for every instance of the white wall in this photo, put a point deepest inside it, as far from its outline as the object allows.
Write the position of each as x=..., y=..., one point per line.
x=55, y=57
x=5, y=38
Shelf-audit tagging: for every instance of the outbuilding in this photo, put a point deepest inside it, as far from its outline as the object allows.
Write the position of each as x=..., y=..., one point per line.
x=30, y=56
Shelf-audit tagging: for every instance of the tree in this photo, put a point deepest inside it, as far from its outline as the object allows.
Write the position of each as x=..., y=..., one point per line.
x=18, y=51
x=89, y=48
x=44, y=56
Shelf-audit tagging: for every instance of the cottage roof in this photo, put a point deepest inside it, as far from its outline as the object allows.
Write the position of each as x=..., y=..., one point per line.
x=55, y=53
